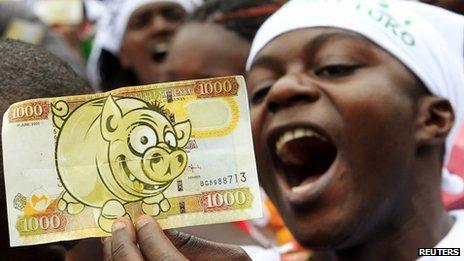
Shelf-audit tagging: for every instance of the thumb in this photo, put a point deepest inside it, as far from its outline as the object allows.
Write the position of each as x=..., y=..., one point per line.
x=153, y=243
x=195, y=248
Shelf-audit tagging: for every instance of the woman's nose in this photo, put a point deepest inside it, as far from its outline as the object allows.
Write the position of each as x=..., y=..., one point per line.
x=159, y=23
x=291, y=90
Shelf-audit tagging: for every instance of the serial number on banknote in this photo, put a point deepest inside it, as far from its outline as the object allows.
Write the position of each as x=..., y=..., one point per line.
x=229, y=179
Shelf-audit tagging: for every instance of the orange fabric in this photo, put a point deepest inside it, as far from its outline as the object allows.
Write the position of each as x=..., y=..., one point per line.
x=456, y=165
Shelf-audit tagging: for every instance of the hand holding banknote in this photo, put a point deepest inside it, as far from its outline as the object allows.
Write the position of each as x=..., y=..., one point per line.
x=147, y=241
x=180, y=152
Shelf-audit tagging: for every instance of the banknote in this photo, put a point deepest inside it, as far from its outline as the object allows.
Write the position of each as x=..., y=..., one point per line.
x=180, y=152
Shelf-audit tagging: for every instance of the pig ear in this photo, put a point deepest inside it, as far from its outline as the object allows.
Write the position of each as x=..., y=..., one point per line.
x=110, y=118
x=183, y=133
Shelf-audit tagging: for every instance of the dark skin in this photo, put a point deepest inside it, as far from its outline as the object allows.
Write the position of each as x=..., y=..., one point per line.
x=53, y=252
x=456, y=6
x=218, y=52
x=147, y=241
x=147, y=38
x=380, y=134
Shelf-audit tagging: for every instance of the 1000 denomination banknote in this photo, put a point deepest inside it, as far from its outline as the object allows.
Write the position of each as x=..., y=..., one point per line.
x=181, y=152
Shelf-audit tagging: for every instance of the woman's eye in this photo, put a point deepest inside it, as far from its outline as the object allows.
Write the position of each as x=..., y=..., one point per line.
x=139, y=22
x=260, y=93
x=173, y=14
x=337, y=70
x=141, y=138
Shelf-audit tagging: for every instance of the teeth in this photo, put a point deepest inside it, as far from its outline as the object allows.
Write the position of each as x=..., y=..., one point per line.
x=296, y=134
x=298, y=189
x=131, y=177
x=151, y=187
x=161, y=48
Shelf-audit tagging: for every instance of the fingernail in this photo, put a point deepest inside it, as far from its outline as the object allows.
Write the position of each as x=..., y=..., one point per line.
x=117, y=226
x=103, y=239
x=142, y=221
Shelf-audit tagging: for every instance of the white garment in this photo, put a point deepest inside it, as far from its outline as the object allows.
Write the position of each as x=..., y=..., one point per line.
x=94, y=9
x=111, y=27
x=257, y=253
x=454, y=239
x=426, y=39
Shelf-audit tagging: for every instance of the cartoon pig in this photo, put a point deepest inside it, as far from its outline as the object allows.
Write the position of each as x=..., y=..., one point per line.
x=115, y=150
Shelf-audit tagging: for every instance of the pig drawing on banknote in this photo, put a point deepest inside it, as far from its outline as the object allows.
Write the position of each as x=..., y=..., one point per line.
x=115, y=150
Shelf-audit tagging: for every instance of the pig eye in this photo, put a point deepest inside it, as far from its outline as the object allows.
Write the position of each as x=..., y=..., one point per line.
x=141, y=138
x=170, y=139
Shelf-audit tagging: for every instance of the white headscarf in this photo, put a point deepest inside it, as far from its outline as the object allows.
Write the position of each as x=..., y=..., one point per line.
x=427, y=39
x=113, y=24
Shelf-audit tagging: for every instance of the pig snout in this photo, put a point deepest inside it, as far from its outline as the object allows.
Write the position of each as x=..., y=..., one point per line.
x=162, y=165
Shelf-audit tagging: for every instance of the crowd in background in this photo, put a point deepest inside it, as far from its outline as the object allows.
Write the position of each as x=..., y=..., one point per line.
x=116, y=43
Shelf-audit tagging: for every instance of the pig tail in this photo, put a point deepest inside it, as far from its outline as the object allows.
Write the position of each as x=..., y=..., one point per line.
x=60, y=110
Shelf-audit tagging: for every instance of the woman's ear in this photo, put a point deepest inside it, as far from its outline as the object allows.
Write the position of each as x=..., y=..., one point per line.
x=435, y=118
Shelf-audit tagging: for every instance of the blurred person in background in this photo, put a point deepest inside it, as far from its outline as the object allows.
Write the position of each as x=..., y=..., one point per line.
x=28, y=72
x=18, y=21
x=227, y=29
x=132, y=41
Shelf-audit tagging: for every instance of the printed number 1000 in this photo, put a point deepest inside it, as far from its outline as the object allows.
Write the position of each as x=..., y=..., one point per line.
x=217, y=199
x=27, y=111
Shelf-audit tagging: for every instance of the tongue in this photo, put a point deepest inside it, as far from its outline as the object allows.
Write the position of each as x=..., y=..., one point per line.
x=302, y=151
x=138, y=186
x=305, y=159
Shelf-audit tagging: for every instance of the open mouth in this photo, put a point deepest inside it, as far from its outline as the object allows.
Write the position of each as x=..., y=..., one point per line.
x=159, y=52
x=303, y=155
x=137, y=184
